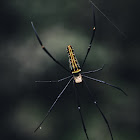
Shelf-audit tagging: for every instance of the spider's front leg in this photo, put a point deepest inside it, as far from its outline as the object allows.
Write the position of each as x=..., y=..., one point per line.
x=101, y=112
x=79, y=109
x=53, y=105
x=103, y=82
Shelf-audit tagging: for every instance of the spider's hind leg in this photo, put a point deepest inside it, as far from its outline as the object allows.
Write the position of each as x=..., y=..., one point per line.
x=92, y=37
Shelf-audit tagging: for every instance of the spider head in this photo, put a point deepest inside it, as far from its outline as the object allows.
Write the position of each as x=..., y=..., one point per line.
x=77, y=77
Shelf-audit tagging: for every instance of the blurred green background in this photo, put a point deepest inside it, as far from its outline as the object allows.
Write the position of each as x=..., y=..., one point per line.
x=24, y=103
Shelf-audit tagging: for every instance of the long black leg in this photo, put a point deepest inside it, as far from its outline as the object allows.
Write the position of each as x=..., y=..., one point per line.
x=93, y=70
x=93, y=33
x=56, y=81
x=53, y=105
x=40, y=42
x=79, y=109
x=107, y=18
x=95, y=102
x=104, y=83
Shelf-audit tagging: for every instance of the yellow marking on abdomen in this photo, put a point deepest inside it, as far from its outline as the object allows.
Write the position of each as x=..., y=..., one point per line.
x=74, y=65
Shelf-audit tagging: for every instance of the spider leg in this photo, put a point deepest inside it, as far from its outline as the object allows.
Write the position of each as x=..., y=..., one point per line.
x=93, y=33
x=95, y=102
x=53, y=105
x=40, y=42
x=79, y=109
x=56, y=81
x=93, y=70
x=108, y=19
x=100, y=81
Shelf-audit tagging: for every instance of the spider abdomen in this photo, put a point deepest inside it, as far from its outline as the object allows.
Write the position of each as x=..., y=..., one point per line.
x=73, y=62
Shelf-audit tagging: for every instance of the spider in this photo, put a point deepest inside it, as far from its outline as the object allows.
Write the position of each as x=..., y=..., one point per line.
x=77, y=76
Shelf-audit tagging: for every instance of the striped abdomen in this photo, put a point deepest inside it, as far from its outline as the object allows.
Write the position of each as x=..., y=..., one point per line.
x=74, y=65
